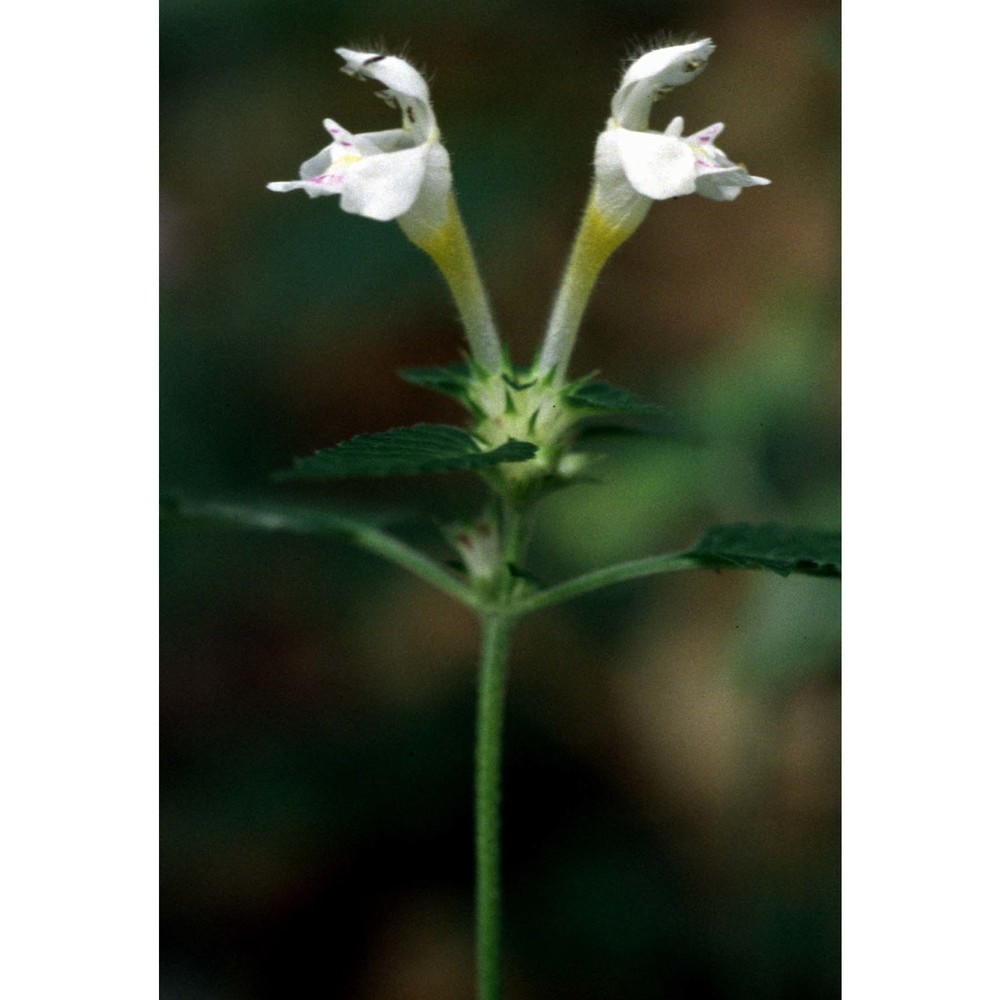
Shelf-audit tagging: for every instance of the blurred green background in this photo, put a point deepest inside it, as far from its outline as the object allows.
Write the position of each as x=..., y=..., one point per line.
x=672, y=756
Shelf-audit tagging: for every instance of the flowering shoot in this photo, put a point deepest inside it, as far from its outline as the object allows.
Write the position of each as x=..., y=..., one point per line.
x=633, y=167
x=404, y=174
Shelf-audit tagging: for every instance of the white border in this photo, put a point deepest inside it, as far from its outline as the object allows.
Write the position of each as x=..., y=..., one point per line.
x=920, y=689
x=78, y=709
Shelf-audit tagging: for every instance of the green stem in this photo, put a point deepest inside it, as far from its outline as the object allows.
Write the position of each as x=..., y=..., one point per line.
x=604, y=577
x=516, y=520
x=417, y=563
x=499, y=620
x=497, y=629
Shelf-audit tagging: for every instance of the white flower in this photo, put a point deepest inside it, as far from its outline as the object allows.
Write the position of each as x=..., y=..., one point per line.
x=634, y=165
x=402, y=173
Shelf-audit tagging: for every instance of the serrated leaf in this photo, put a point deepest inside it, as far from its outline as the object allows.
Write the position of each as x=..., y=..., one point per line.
x=406, y=451
x=600, y=397
x=775, y=547
x=452, y=380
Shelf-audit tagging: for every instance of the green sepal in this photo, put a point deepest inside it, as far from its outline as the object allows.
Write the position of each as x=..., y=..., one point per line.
x=572, y=387
x=451, y=380
x=776, y=547
x=513, y=379
x=405, y=451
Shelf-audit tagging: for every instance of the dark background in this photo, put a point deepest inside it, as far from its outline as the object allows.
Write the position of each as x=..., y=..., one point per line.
x=672, y=757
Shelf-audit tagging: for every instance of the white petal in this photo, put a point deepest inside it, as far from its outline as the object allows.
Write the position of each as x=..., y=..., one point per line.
x=319, y=174
x=725, y=184
x=675, y=128
x=657, y=70
x=395, y=73
x=385, y=186
x=337, y=132
x=318, y=164
x=712, y=157
x=311, y=188
x=432, y=202
x=388, y=141
x=614, y=196
x=658, y=166
x=404, y=86
x=712, y=189
x=330, y=166
x=429, y=211
x=708, y=135
x=670, y=66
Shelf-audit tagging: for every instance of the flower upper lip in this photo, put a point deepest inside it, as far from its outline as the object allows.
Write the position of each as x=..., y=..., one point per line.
x=652, y=73
x=404, y=86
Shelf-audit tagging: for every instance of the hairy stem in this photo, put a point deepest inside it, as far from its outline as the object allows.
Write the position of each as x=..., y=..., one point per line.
x=603, y=577
x=489, y=728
